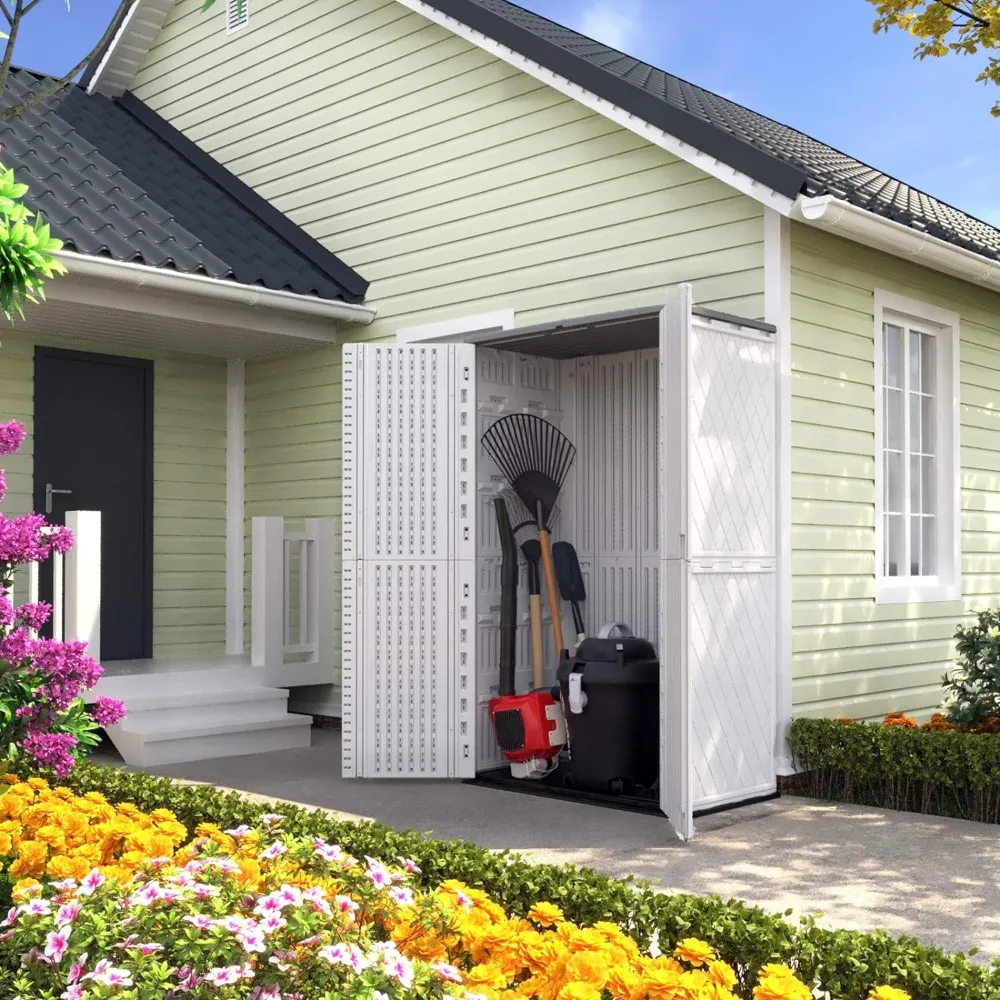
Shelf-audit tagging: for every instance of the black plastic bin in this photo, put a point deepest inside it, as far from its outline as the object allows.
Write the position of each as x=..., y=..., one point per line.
x=614, y=741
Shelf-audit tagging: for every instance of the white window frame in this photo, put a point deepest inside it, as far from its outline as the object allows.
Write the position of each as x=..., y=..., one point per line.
x=945, y=327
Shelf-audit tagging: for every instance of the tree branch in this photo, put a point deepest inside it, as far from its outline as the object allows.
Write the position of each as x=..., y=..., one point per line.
x=40, y=96
x=5, y=11
x=8, y=52
x=968, y=14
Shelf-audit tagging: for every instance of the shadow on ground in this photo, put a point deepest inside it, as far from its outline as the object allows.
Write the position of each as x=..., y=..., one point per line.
x=936, y=879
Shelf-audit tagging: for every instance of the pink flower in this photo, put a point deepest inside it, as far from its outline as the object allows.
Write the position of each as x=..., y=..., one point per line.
x=149, y=948
x=36, y=908
x=289, y=895
x=329, y=852
x=265, y=993
x=268, y=904
x=271, y=819
x=240, y=831
x=34, y=616
x=76, y=969
x=447, y=972
x=66, y=885
x=274, y=851
x=11, y=917
x=147, y=895
x=335, y=954
x=233, y=923
x=91, y=883
x=105, y=974
x=272, y=923
x=73, y=992
x=228, y=975
x=347, y=905
x=11, y=437
x=317, y=896
x=378, y=874
x=402, y=896
x=200, y=921
x=107, y=711
x=409, y=865
x=56, y=943
x=252, y=940
x=68, y=912
x=51, y=750
x=400, y=968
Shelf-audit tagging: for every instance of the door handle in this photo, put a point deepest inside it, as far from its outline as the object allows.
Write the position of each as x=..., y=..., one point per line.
x=49, y=491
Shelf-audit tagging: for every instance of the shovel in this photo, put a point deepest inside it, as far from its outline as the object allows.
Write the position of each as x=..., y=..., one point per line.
x=571, y=586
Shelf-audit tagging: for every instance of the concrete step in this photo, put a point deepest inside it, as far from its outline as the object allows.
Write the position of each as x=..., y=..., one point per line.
x=175, y=743
x=247, y=704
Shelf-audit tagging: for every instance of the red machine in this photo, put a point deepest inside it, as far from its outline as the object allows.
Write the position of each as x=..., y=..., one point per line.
x=530, y=731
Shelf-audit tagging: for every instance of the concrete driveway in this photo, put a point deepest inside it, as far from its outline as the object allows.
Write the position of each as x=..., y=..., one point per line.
x=935, y=879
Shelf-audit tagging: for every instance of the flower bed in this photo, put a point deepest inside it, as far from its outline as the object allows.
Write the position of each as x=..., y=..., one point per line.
x=260, y=913
x=848, y=964
x=898, y=765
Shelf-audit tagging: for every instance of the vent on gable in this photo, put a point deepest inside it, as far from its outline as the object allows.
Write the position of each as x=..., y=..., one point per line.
x=237, y=15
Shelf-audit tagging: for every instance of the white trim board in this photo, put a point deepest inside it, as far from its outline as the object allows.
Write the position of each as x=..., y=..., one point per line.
x=462, y=329
x=778, y=311
x=235, y=525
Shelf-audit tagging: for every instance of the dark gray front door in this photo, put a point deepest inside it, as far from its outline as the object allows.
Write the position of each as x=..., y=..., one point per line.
x=93, y=437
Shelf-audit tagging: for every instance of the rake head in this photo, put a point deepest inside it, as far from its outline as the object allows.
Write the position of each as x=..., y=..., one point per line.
x=534, y=456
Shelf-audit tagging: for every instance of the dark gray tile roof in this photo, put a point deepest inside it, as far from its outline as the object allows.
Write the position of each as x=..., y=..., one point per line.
x=782, y=157
x=115, y=180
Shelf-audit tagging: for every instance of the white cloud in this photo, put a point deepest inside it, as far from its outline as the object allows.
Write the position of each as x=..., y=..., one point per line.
x=615, y=22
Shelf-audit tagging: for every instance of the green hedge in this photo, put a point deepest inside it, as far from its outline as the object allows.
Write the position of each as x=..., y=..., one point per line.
x=847, y=963
x=941, y=773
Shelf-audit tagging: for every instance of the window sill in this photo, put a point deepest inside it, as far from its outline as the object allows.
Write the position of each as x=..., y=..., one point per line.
x=908, y=592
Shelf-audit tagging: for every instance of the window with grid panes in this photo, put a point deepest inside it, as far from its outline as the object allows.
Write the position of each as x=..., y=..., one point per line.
x=916, y=508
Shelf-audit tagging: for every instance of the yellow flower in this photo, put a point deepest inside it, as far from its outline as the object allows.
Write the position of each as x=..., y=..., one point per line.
x=484, y=977
x=587, y=967
x=721, y=974
x=778, y=982
x=6, y=843
x=888, y=993
x=546, y=914
x=31, y=857
x=694, y=952
x=579, y=991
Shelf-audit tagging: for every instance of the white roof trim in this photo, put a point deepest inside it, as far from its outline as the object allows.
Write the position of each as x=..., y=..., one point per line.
x=199, y=287
x=682, y=150
x=130, y=46
x=876, y=231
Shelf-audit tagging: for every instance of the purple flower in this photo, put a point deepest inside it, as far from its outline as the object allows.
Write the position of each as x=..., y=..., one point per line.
x=107, y=711
x=6, y=609
x=11, y=437
x=34, y=616
x=51, y=750
x=14, y=647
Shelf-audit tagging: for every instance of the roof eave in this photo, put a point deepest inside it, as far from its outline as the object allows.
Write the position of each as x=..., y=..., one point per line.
x=862, y=226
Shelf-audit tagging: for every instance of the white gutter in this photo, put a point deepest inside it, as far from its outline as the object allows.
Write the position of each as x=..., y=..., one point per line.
x=862, y=226
x=220, y=291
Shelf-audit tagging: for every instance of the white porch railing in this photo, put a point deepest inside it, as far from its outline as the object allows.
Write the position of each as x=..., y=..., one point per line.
x=292, y=610
x=76, y=583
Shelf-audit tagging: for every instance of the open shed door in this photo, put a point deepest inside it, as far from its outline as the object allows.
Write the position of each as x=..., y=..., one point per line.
x=409, y=537
x=718, y=559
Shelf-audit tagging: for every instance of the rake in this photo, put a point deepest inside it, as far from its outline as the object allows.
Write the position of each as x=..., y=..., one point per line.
x=525, y=529
x=535, y=457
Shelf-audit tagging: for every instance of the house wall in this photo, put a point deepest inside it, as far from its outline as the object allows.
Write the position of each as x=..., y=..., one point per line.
x=851, y=656
x=454, y=183
x=189, y=486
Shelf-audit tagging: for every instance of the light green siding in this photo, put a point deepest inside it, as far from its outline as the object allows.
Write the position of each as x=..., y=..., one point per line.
x=189, y=488
x=454, y=183
x=851, y=655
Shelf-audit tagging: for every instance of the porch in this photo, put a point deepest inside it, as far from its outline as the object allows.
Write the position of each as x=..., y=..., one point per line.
x=160, y=416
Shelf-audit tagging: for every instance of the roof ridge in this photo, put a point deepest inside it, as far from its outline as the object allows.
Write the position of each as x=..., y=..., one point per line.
x=311, y=249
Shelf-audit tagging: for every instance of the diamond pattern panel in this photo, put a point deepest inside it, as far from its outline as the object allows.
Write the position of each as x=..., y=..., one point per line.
x=731, y=459
x=731, y=664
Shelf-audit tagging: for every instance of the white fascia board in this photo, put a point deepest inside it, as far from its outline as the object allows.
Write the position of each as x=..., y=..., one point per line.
x=858, y=224
x=198, y=289
x=106, y=60
x=682, y=150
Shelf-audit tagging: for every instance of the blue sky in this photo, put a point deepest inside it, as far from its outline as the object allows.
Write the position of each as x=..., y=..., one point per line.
x=927, y=123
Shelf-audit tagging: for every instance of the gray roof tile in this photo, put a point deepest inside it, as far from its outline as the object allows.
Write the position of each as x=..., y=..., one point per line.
x=115, y=180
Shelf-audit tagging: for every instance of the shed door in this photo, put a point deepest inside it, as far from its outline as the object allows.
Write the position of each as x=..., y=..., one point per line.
x=718, y=560
x=409, y=537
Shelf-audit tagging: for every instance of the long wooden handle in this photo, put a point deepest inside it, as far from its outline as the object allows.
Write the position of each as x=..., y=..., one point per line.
x=537, y=640
x=553, y=592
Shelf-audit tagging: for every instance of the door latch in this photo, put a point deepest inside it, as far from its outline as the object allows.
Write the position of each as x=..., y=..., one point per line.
x=50, y=490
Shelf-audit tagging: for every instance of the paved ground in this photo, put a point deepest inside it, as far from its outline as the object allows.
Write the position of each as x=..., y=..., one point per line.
x=937, y=879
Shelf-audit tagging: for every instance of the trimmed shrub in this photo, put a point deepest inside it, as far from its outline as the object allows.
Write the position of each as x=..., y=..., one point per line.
x=848, y=964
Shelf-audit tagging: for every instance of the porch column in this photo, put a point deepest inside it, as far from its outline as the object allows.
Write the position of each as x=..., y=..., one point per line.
x=235, y=444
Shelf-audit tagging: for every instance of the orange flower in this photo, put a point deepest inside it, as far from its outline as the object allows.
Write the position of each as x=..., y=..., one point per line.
x=694, y=952
x=899, y=719
x=587, y=967
x=546, y=914
x=579, y=991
